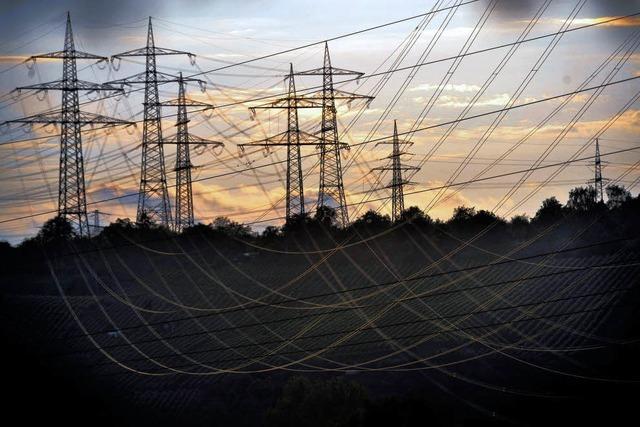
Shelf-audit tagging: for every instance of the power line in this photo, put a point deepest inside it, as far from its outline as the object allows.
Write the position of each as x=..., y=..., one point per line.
x=605, y=22
x=384, y=284
x=488, y=113
x=352, y=204
x=72, y=202
x=353, y=33
x=392, y=338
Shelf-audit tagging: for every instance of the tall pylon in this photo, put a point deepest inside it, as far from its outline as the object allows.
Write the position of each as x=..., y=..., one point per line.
x=331, y=187
x=153, y=198
x=72, y=202
x=293, y=138
x=184, y=216
x=397, y=182
x=598, y=181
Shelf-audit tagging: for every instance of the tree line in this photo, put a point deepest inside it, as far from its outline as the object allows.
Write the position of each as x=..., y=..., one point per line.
x=620, y=211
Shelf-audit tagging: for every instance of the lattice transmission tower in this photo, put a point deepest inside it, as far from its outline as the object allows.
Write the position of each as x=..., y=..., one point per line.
x=293, y=138
x=331, y=187
x=72, y=202
x=396, y=167
x=153, y=198
x=184, y=216
x=598, y=181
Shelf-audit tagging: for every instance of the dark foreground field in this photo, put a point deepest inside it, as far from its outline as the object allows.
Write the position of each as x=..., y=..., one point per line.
x=409, y=324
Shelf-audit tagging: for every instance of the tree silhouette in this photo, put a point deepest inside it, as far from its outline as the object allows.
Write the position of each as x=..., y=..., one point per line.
x=582, y=199
x=617, y=196
x=550, y=211
x=373, y=220
x=325, y=216
x=417, y=216
x=57, y=229
x=230, y=228
x=519, y=225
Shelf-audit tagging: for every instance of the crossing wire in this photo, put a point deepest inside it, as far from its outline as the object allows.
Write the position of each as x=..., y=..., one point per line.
x=488, y=113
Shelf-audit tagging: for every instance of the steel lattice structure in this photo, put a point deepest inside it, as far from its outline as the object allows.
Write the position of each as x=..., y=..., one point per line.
x=293, y=138
x=331, y=187
x=184, y=216
x=72, y=202
x=598, y=181
x=397, y=181
x=153, y=198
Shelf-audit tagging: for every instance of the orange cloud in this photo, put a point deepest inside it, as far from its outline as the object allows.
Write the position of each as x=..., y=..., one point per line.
x=633, y=21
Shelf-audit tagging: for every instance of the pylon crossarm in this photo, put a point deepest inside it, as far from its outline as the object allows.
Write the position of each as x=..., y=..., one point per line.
x=92, y=118
x=79, y=85
x=392, y=156
x=144, y=51
x=335, y=71
x=390, y=142
x=141, y=78
x=275, y=140
x=289, y=102
x=181, y=79
x=193, y=140
x=61, y=54
x=344, y=95
x=337, y=95
x=187, y=103
x=281, y=140
x=340, y=144
x=390, y=168
x=399, y=184
x=84, y=119
x=134, y=79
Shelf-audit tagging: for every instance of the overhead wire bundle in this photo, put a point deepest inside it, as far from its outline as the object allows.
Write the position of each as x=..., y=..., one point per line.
x=227, y=317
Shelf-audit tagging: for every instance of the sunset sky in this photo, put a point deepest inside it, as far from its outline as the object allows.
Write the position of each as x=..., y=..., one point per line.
x=224, y=32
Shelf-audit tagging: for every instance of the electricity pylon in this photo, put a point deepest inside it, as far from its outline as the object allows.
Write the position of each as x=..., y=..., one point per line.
x=96, y=221
x=331, y=188
x=97, y=228
x=293, y=138
x=184, y=216
x=72, y=202
x=153, y=198
x=598, y=180
x=397, y=182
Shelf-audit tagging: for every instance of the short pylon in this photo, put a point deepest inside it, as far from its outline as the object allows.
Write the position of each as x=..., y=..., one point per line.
x=598, y=181
x=396, y=168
